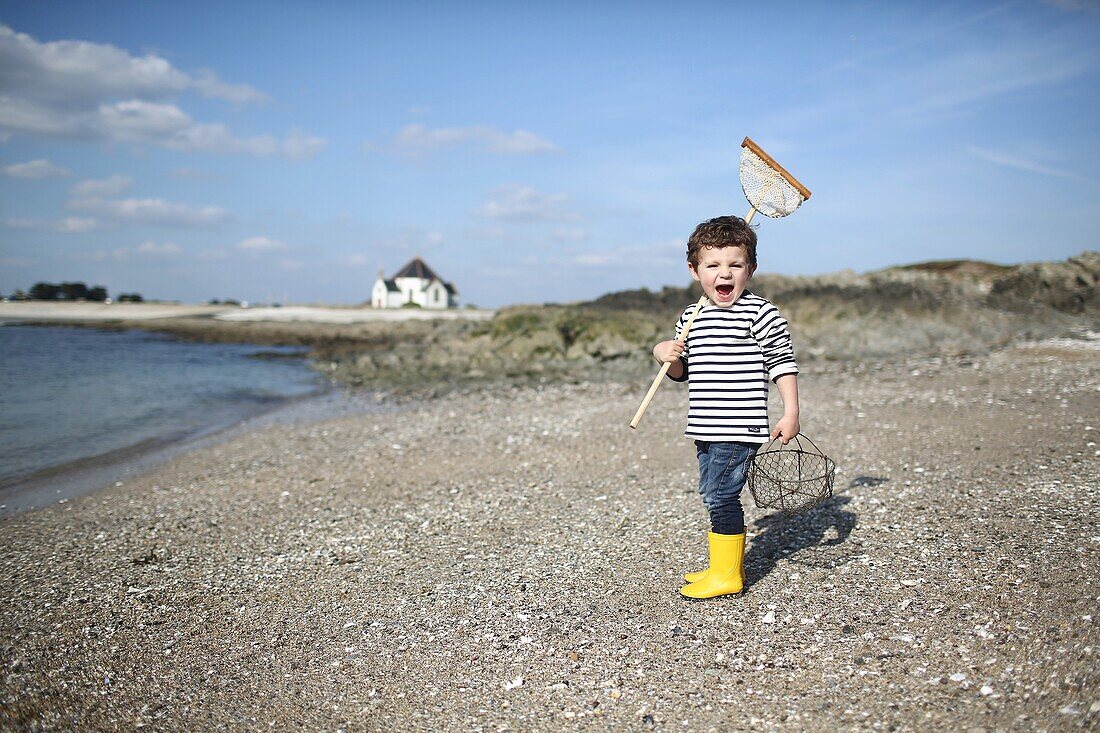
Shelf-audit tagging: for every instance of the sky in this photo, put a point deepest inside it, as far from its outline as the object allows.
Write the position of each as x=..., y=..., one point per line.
x=531, y=152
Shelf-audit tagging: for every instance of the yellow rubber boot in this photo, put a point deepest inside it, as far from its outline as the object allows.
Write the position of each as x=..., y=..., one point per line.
x=724, y=576
x=698, y=575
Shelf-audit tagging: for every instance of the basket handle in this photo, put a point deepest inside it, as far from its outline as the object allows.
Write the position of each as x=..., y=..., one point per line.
x=797, y=441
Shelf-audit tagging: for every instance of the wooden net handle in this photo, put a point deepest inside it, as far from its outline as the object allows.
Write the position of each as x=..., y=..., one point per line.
x=748, y=143
x=664, y=368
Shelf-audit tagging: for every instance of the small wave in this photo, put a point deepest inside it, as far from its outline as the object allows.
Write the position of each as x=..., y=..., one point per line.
x=250, y=397
x=271, y=354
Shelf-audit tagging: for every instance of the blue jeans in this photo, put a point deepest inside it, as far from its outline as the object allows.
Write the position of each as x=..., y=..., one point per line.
x=722, y=472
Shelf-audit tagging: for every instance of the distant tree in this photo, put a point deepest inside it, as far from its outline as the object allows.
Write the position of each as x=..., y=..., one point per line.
x=73, y=291
x=66, y=291
x=44, y=291
x=19, y=295
x=130, y=298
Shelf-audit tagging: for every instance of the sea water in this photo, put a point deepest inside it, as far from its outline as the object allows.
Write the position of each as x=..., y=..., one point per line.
x=70, y=395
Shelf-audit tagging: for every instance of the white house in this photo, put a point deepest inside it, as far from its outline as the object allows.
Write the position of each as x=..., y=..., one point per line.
x=413, y=283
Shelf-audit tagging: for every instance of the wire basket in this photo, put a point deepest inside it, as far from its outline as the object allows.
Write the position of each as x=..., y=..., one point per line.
x=790, y=480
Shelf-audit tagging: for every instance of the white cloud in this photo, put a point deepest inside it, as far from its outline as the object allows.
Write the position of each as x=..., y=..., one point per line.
x=77, y=225
x=412, y=239
x=300, y=146
x=194, y=174
x=595, y=259
x=519, y=203
x=570, y=234
x=113, y=186
x=90, y=91
x=420, y=138
x=153, y=211
x=68, y=225
x=122, y=254
x=25, y=223
x=150, y=247
x=208, y=83
x=261, y=244
x=667, y=253
x=39, y=168
x=1014, y=161
x=488, y=232
x=75, y=72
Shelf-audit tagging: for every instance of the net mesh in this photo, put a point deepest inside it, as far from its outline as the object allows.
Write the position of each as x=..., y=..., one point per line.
x=765, y=188
x=790, y=479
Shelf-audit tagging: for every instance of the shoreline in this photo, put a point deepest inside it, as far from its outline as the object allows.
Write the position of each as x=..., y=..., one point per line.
x=91, y=474
x=71, y=477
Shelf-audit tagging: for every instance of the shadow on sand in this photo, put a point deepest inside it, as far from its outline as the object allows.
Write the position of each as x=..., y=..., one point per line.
x=818, y=538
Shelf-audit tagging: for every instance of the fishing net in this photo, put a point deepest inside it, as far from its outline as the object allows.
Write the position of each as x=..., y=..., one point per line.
x=790, y=479
x=769, y=188
x=772, y=191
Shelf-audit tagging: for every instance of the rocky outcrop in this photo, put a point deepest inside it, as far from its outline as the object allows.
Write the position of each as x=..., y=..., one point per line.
x=935, y=308
x=926, y=309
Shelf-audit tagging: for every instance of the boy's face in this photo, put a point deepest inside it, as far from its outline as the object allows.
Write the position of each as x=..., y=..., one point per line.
x=724, y=272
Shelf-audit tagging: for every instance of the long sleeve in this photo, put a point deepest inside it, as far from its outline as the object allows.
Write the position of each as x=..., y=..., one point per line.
x=769, y=329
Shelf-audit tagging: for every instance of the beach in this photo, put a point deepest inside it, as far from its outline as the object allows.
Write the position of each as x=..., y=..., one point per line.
x=508, y=559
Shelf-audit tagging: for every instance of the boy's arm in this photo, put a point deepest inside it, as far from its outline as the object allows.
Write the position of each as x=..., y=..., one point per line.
x=788, y=426
x=674, y=352
x=671, y=353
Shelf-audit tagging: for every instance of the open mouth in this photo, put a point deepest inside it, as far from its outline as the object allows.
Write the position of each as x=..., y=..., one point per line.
x=725, y=292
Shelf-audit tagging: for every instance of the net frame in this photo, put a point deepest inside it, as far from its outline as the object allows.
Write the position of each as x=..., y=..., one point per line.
x=790, y=480
x=769, y=187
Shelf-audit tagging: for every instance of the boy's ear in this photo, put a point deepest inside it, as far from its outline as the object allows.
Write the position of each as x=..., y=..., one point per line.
x=694, y=274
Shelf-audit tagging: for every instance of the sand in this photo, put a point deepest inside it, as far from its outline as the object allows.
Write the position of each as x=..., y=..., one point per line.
x=40, y=310
x=509, y=560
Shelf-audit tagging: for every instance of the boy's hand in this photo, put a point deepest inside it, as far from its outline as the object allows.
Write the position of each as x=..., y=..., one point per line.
x=786, y=429
x=668, y=351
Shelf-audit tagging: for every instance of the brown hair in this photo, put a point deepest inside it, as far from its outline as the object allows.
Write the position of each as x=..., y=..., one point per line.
x=722, y=231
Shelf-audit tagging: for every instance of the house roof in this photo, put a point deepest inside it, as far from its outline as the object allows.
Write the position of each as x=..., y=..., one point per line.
x=391, y=286
x=417, y=268
x=449, y=287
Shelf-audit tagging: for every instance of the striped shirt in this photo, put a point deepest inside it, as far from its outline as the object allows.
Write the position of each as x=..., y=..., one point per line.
x=730, y=357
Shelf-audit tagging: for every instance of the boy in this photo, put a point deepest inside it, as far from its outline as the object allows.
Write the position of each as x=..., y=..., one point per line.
x=737, y=344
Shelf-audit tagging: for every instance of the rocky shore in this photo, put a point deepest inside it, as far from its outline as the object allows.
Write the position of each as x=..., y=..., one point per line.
x=931, y=309
x=508, y=558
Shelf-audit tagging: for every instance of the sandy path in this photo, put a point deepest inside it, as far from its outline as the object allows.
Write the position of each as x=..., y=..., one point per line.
x=511, y=561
